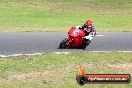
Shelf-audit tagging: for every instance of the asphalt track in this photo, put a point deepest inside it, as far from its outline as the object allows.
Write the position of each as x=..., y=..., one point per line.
x=39, y=42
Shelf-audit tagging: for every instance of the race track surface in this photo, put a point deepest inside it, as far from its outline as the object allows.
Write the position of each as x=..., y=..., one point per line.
x=39, y=42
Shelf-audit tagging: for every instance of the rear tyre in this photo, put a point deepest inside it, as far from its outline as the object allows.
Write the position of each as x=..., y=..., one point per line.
x=63, y=44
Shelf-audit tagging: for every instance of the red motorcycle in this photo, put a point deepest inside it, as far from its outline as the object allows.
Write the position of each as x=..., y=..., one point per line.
x=74, y=40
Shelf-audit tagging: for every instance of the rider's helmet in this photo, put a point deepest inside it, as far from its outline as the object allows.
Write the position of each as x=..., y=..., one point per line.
x=88, y=24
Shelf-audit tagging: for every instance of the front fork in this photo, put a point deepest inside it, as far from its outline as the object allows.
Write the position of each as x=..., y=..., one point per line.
x=69, y=41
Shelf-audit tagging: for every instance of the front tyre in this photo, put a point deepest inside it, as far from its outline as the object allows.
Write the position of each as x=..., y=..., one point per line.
x=63, y=44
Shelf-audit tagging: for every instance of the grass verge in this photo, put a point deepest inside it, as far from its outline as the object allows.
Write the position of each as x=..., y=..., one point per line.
x=60, y=15
x=52, y=70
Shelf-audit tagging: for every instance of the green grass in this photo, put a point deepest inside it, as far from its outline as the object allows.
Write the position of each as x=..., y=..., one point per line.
x=52, y=70
x=60, y=15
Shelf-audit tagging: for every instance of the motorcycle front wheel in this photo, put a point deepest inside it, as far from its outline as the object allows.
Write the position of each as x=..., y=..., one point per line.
x=63, y=44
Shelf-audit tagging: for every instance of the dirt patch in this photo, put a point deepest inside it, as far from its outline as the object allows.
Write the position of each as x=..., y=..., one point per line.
x=30, y=75
x=55, y=76
x=65, y=70
x=121, y=66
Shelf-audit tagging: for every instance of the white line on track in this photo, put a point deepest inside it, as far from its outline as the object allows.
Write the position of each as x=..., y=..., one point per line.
x=14, y=55
x=99, y=35
x=112, y=51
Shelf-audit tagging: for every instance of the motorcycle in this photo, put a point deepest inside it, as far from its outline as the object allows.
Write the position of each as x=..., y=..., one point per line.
x=75, y=39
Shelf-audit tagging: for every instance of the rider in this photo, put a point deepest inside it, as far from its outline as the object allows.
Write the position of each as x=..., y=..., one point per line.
x=89, y=30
